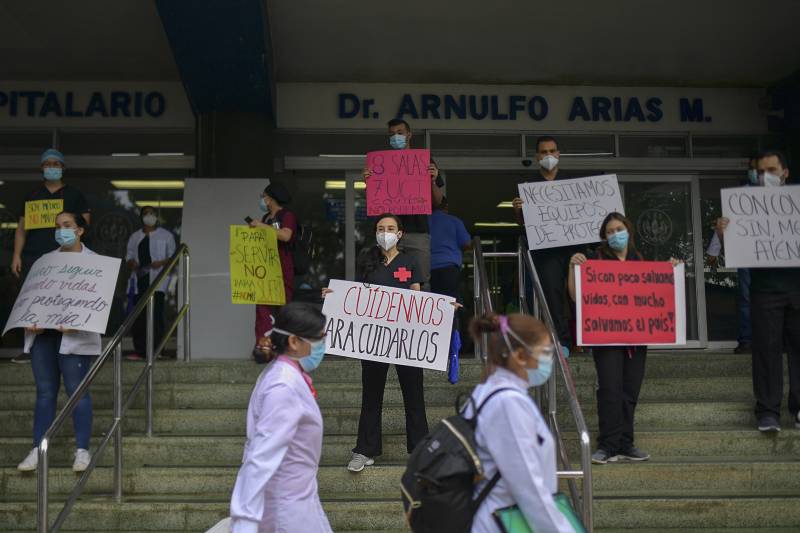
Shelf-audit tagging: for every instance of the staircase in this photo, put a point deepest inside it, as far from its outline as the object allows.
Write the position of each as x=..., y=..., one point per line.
x=710, y=470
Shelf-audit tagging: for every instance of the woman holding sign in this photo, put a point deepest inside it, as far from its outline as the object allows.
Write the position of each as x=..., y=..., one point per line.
x=57, y=353
x=620, y=369
x=276, y=489
x=385, y=265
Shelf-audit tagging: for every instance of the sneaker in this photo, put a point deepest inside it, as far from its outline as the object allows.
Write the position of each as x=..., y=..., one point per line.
x=768, y=424
x=23, y=358
x=82, y=460
x=358, y=462
x=743, y=347
x=31, y=461
x=634, y=454
x=601, y=457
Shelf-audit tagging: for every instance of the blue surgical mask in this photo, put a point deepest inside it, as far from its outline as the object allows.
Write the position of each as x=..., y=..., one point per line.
x=263, y=204
x=53, y=173
x=752, y=175
x=66, y=236
x=313, y=360
x=397, y=141
x=539, y=375
x=619, y=240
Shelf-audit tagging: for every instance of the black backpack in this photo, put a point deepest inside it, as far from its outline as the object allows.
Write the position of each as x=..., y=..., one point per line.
x=441, y=475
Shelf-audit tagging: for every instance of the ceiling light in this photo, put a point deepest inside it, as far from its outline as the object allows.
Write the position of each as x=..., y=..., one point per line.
x=496, y=224
x=148, y=184
x=342, y=155
x=160, y=204
x=165, y=154
x=125, y=154
x=505, y=204
x=9, y=225
x=340, y=185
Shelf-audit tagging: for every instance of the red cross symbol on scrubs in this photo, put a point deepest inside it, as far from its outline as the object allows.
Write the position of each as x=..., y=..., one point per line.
x=402, y=274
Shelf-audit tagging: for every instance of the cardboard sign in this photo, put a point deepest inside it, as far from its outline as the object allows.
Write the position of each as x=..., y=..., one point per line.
x=630, y=303
x=400, y=183
x=388, y=325
x=566, y=212
x=764, y=227
x=67, y=290
x=42, y=213
x=256, y=274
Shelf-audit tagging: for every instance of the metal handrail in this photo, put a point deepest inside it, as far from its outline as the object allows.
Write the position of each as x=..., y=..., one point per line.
x=542, y=311
x=145, y=304
x=483, y=304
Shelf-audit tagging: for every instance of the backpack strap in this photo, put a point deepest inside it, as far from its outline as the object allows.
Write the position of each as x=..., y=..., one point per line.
x=486, y=490
x=489, y=397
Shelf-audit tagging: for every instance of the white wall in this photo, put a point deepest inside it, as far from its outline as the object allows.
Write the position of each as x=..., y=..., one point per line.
x=219, y=329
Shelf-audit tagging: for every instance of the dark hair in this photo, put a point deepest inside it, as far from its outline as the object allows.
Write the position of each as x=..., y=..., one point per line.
x=604, y=249
x=545, y=139
x=145, y=208
x=371, y=257
x=396, y=122
x=278, y=192
x=298, y=318
x=774, y=153
x=78, y=218
x=530, y=329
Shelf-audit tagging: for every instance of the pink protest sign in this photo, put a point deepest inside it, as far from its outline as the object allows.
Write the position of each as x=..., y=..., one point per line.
x=400, y=182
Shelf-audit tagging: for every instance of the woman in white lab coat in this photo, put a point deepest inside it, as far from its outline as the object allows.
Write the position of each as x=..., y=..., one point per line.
x=57, y=354
x=511, y=435
x=276, y=489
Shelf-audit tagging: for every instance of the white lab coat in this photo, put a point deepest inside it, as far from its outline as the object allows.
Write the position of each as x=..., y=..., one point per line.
x=72, y=342
x=512, y=435
x=162, y=246
x=276, y=489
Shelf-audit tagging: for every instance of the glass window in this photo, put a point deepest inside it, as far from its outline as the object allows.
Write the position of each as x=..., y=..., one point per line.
x=577, y=145
x=128, y=142
x=25, y=143
x=723, y=146
x=652, y=146
x=475, y=145
x=338, y=143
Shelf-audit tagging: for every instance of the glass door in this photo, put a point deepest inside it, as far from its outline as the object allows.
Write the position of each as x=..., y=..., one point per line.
x=666, y=217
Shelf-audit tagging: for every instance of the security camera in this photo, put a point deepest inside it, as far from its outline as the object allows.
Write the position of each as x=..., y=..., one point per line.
x=526, y=162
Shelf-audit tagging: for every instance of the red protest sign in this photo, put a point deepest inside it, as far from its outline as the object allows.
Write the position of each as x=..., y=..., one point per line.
x=400, y=182
x=629, y=302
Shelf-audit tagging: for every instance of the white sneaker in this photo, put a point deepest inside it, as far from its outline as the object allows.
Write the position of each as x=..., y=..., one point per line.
x=82, y=460
x=31, y=461
x=358, y=462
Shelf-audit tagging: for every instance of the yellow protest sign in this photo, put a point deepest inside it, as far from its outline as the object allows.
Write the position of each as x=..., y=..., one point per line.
x=42, y=213
x=256, y=275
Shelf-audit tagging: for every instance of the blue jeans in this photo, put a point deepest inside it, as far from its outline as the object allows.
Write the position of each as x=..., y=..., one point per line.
x=745, y=326
x=48, y=367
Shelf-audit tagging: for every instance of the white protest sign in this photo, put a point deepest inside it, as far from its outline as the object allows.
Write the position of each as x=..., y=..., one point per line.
x=388, y=325
x=764, y=227
x=566, y=212
x=67, y=290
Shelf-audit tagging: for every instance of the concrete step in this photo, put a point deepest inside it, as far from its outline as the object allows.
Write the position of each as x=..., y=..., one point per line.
x=630, y=514
x=344, y=420
x=200, y=450
x=683, y=364
x=780, y=477
x=237, y=395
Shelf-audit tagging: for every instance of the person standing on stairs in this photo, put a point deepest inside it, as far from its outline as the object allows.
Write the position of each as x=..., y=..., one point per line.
x=386, y=265
x=57, y=353
x=775, y=315
x=512, y=438
x=620, y=369
x=276, y=489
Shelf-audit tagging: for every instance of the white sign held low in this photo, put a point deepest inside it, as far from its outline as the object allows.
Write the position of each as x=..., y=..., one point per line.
x=566, y=212
x=67, y=291
x=388, y=325
x=764, y=227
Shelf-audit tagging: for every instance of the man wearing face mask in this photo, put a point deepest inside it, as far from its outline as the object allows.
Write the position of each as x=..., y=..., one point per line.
x=551, y=264
x=775, y=311
x=715, y=249
x=149, y=249
x=31, y=244
x=417, y=238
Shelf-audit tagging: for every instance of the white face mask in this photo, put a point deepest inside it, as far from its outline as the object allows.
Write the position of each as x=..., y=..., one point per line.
x=386, y=240
x=771, y=180
x=150, y=220
x=549, y=162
